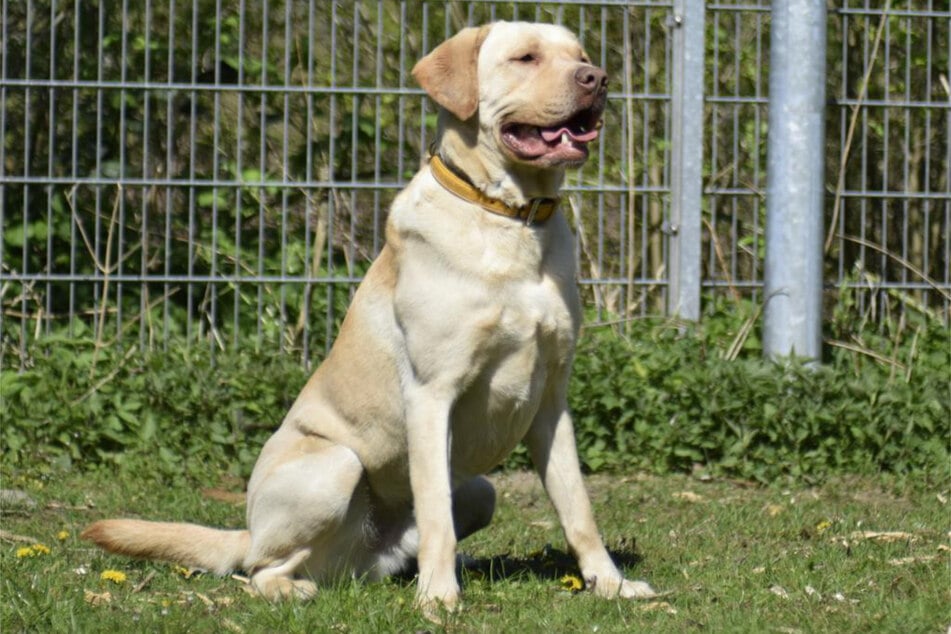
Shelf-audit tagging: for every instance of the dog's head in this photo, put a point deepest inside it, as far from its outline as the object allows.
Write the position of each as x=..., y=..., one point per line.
x=530, y=88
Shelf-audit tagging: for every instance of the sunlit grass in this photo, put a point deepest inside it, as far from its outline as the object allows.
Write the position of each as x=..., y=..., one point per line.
x=855, y=554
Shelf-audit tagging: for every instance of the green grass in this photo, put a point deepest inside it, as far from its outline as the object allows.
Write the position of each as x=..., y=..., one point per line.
x=753, y=494
x=733, y=557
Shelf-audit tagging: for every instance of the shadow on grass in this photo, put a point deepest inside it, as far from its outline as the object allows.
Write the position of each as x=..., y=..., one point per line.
x=545, y=564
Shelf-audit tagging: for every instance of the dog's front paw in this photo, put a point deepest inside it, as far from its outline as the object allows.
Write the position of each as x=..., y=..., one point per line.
x=619, y=587
x=435, y=606
x=636, y=590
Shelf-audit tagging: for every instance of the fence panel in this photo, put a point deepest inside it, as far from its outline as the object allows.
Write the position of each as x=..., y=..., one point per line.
x=889, y=225
x=168, y=171
x=171, y=171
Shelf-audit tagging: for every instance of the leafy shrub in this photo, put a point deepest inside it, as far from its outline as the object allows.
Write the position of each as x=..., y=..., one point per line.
x=182, y=409
x=662, y=398
x=669, y=402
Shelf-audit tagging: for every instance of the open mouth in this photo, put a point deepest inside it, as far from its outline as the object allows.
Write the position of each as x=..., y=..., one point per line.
x=563, y=142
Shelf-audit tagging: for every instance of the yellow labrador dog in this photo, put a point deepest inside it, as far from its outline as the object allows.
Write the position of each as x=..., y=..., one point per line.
x=457, y=346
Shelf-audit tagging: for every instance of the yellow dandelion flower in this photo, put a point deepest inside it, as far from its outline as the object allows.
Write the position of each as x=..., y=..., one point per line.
x=114, y=576
x=823, y=526
x=572, y=583
x=32, y=551
x=62, y=536
x=182, y=571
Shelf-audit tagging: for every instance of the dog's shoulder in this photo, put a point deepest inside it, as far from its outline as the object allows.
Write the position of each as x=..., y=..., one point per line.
x=430, y=226
x=422, y=207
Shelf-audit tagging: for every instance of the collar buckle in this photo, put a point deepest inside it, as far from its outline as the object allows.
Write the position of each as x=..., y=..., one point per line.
x=533, y=211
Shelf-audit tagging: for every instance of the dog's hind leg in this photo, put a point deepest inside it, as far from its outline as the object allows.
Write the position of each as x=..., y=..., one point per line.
x=473, y=504
x=395, y=549
x=304, y=503
x=277, y=581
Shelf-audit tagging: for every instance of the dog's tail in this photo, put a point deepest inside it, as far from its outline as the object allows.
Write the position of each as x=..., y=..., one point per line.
x=215, y=550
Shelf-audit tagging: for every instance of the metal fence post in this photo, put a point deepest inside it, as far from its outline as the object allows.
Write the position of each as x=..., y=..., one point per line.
x=686, y=160
x=795, y=185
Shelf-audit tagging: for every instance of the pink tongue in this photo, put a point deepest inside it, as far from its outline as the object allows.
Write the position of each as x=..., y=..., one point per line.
x=552, y=134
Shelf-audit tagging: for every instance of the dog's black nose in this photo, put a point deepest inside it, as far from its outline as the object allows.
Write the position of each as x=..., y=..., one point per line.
x=591, y=78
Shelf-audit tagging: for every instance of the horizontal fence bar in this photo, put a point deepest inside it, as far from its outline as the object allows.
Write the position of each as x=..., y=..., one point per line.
x=137, y=278
x=648, y=4
x=63, y=181
x=859, y=11
x=894, y=103
x=740, y=8
x=897, y=13
x=159, y=278
x=875, y=194
x=852, y=103
x=758, y=284
x=185, y=87
x=49, y=181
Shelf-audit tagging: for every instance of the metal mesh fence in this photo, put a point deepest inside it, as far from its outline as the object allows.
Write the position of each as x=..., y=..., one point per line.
x=221, y=171
x=889, y=229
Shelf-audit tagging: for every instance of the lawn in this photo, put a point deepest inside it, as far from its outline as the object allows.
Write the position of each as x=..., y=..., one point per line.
x=866, y=554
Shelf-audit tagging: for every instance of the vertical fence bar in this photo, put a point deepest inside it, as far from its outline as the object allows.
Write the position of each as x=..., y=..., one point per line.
x=192, y=131
x=211, y=293
x=309, y=248
x=377, y=129
x=686, y=159
x=169, y=171
x=354, y=141
x=4, y=56
x=27, y=161
x=648, y=202
x=795, y=180
x=50, y=166
x=116, y=229
x=144, y=317
x=285, y=166
x=713, y=209
x=331, y=176
x=73, y=163
x=947, y=165
x=262, y=164
x=401, y=119
x=757, y=143
x=239, y=150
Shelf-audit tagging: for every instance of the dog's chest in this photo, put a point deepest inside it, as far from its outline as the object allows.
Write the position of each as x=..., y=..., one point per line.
x=525, y=355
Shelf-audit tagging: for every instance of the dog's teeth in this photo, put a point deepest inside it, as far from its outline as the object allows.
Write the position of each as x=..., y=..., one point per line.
x=564, y=137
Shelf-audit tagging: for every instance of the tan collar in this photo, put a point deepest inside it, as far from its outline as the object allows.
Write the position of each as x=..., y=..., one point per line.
x=538, y=210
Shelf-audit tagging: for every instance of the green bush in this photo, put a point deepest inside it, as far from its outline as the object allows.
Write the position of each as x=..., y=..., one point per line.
x=182, y=409
x=669, y=402
x=664, y=397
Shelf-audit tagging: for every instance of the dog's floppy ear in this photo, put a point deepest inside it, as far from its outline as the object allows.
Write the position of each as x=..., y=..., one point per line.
x=449, y=74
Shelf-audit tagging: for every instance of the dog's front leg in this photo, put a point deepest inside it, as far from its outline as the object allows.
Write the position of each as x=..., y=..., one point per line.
x=551, y=442
x=427, y=422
